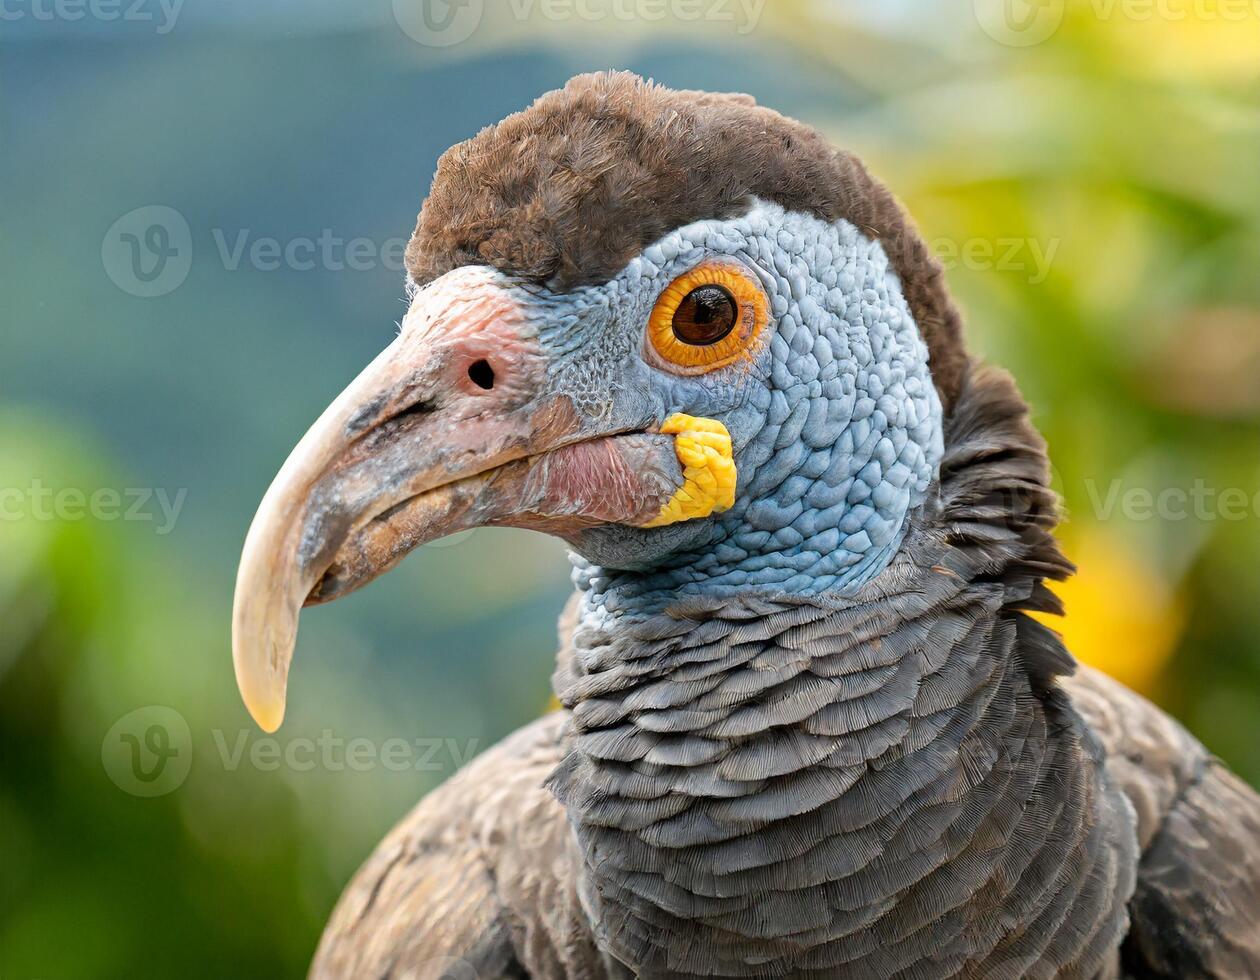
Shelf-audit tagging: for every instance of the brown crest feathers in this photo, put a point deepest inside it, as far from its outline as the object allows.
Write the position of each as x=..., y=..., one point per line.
x=572, y=188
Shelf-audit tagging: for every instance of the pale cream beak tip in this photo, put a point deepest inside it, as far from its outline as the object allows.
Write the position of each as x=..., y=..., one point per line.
x=267, y=713
x=262, y=682
x=264, y=703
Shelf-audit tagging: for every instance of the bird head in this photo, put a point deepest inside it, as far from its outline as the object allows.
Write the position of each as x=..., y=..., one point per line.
x=675, y=329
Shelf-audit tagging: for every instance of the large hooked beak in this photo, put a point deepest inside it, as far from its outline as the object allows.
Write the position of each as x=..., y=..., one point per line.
x=452, y=426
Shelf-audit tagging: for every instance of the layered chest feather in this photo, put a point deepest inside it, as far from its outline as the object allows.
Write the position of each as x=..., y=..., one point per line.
x=804, y=791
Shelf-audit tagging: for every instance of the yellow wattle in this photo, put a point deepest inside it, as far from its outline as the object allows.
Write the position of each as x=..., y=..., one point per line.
x=704, y=449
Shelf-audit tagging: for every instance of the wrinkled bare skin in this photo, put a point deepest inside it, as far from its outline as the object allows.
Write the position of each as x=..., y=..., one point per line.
x=414, y=449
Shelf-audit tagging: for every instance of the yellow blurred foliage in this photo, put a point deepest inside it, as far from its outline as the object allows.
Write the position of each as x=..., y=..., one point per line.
x=1121, y=616
x=1182, y=39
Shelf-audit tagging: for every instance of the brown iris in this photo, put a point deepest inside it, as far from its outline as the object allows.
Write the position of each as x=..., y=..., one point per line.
x=705, y=316
x=708, y=317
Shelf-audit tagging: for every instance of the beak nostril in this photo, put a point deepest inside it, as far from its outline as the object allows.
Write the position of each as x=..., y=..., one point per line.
x=481, y=374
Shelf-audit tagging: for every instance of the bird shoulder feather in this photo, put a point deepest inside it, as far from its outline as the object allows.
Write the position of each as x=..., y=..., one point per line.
x=1196, y=911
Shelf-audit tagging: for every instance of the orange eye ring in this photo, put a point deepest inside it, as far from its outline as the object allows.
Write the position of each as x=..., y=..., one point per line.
x=684, y=306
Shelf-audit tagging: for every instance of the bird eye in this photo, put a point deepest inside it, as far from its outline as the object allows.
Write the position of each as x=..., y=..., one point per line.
x=708, y=317
x=705, y=316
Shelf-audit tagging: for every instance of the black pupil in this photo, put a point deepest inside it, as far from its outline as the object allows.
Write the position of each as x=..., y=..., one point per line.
x=705, y=316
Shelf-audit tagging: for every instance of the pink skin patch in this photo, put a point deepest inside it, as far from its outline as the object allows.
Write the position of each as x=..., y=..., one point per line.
x=467, y=317
x=451, y=428
x=616, y=480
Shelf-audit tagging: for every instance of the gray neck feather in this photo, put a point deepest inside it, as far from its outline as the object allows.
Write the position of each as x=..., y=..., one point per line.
x=780, y=786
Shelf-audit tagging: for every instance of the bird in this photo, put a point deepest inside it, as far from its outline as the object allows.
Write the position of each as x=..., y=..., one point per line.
x=810, y=723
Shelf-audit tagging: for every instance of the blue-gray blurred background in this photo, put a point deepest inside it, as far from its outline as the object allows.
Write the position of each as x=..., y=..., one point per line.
x=202, y=212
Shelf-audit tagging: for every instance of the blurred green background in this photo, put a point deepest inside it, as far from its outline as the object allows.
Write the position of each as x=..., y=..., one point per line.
x=1088, y=172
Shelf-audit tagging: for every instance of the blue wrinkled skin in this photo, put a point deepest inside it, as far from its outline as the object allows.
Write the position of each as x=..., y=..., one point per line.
x=836, y=427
